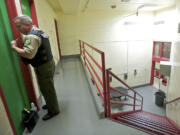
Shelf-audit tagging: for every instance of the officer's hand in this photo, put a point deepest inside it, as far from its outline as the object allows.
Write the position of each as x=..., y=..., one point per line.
x=13, y=43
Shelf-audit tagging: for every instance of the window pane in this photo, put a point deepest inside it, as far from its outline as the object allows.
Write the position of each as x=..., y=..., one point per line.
x=157, y=50
x=166, y=50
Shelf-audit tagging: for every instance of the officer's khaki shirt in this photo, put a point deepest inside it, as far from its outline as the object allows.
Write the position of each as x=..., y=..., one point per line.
x=31, y=45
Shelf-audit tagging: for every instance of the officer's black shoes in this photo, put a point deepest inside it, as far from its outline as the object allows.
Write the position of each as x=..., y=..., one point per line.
x=44, y=107
x=49, y=116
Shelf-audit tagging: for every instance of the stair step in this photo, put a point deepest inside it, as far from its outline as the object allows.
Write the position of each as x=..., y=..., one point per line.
x=148, y=124
x=147, y=127
x=161, y=120
x=151, y=121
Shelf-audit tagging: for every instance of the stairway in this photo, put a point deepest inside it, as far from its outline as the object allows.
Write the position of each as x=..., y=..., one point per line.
x=148, y=122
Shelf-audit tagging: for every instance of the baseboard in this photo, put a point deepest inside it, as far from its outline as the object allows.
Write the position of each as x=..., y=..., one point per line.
x=71, y=56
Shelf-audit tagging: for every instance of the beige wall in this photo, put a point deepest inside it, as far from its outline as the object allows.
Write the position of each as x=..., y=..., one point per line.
x=165, y=32
x=173, y=109
x=125, y=45
x=168, y=32
x=5, y=128
x=46, y=16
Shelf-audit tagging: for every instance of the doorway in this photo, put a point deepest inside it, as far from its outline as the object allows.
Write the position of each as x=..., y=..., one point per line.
x=161, y=52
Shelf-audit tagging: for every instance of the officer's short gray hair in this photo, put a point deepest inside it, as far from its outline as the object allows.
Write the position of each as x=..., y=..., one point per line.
x=24, y=19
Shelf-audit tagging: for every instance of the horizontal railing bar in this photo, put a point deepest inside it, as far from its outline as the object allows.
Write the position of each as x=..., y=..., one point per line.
x=122, y=113
x=124, y=83
x=117, y=102
x=97, y=50
x=93, y=60
x=117, y=90
x=94, y=72
x=167, y=102
x=96, y=83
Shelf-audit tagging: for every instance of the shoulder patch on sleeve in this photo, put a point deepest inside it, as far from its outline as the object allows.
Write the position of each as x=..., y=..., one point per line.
x=27, y=41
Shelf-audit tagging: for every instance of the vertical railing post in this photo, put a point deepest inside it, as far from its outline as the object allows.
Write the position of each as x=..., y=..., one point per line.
x=134, y=106
x=80, y=47
x=84, y=57
x=142, y=104
x=104, y=83
x=108, y=107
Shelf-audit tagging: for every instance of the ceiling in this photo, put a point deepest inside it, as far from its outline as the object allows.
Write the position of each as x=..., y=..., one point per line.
x=76, y=6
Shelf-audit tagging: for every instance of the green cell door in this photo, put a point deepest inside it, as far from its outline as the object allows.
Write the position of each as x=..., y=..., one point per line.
x=11, y=78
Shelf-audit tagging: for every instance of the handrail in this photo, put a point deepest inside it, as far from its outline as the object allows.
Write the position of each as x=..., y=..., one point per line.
x=124, y=83
x=109, y=101
x=95, y=72
x=86, y=56
x=97, y=50
x=104, y=81
x=168, y=102
x=123, y=93
x=96, y=84
x=117, y=102
x=93, y=60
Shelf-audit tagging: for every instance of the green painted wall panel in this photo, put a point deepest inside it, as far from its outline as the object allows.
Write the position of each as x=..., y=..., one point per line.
x=14, y=57
x=11, y=78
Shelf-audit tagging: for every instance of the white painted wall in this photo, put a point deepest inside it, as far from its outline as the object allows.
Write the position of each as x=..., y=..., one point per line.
x=127, y=42
x=5, y=127
x=168, y=32
x=165, y=32
x=46, y=16
x=173, y=109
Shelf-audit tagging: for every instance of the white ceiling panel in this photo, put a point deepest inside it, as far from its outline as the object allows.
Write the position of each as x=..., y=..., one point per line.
x=76, y=6
x=128, y=5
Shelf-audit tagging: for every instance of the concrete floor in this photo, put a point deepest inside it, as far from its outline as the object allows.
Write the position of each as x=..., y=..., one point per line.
x=148, y=93
x=78, y=114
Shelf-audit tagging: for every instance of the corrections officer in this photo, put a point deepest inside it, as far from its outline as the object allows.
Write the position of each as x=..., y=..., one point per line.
x=37, y=52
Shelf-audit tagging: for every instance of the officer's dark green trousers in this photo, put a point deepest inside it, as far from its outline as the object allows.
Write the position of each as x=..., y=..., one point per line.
x=45, y=75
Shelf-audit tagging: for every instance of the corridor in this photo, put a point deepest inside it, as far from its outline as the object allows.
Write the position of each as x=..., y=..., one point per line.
x=78, y=115
x=128, y=44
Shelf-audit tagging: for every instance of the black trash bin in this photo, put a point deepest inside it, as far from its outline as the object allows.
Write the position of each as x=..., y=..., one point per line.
x=159, y=99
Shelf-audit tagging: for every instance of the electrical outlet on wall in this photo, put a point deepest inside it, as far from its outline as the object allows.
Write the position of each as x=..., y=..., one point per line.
x=135, y=72
x=125, y=76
